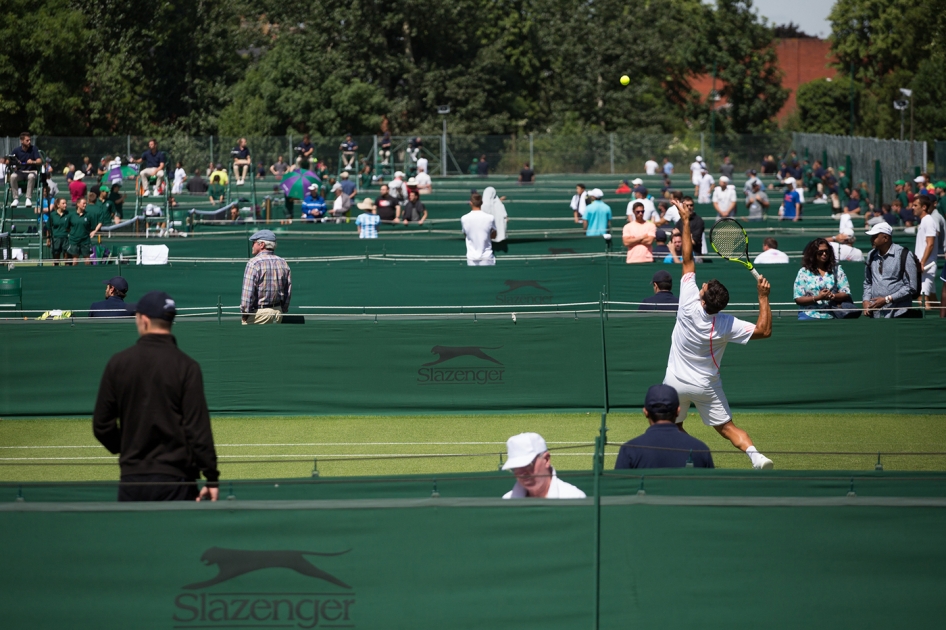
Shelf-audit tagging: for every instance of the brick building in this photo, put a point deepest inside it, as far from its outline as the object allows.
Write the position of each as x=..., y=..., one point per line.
x=801, y=61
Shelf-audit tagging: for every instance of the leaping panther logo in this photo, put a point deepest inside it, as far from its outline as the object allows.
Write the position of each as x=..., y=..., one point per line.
x=515, y=285
x=452, y=352
x=232, y=563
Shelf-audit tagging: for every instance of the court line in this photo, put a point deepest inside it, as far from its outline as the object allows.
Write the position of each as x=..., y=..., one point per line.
x=263, y=445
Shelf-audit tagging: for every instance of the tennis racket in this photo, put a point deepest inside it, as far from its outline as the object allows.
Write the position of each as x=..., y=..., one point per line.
x=730, y=241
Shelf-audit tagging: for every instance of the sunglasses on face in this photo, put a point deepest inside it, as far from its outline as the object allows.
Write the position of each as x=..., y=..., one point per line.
x=823, y=252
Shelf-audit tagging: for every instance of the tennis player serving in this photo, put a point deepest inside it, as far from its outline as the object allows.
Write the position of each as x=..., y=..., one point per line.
x=700, y=337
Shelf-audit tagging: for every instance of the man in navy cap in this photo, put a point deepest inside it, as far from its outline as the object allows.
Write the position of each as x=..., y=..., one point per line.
x=152, y=410
x=663, y=298
x=267, y=283
x=114, y=303
x=664, y=444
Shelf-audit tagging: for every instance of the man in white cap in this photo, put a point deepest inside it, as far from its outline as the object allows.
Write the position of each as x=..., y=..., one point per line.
x=267, y=283
x=530, y=461
x=696, y=174
x=597, y=220
x=724, y=199
x=891, y=278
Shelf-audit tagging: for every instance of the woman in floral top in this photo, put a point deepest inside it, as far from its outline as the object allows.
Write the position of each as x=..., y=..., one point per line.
x=820, y=281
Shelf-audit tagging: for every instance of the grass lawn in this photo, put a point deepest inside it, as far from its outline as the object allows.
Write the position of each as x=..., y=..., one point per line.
x=275, y=447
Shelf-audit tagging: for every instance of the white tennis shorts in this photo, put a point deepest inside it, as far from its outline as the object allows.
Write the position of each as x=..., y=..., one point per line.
x=710, y=401
x=929, y=279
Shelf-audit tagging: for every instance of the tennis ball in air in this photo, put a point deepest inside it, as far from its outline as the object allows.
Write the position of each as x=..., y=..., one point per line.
x=625, y=80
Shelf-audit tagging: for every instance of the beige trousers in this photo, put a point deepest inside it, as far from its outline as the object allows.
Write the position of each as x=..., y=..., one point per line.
x=265, y=316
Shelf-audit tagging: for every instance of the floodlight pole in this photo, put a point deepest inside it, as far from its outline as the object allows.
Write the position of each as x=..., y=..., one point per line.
x=443, y=110
x=852, y=101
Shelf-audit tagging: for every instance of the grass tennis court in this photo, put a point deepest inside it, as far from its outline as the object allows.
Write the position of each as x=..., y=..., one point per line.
x=282, y=447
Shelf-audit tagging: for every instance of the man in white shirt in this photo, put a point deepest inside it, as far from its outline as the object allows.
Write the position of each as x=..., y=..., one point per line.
x=696, y=173
x=699, y=340
x=579, y=203
x=530, y=461
x=425, y=185
x=843, y=246
x=396, y=187
x=724, y=199
x=705, y=187
x=422, y=164
x=926, y=248
x=479, y=229
x=651, y=166
x=770, y=254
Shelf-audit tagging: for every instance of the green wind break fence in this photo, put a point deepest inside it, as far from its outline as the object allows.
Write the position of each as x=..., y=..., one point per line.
x=380, y=281
x=452, y=554
x=477, y=362
x=898, y=159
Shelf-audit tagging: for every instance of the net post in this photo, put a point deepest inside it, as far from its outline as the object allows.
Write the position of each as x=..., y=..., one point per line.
x=600, y=441
x=878, y=465
x=434, y=493
x=219, y=310
x=315, y=468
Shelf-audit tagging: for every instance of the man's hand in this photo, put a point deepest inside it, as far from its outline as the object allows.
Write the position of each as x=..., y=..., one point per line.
x=684, y=215
x=764, y=287
x=208, y=494
x=878, y=303
x=866, y=308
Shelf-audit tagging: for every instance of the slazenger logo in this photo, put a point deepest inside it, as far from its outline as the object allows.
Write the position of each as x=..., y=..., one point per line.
x=524, y=292
x=456, y=374
x=302, y=609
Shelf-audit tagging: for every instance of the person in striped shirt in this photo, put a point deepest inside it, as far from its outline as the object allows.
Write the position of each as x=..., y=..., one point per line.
x=267, y=282
x=368, y=221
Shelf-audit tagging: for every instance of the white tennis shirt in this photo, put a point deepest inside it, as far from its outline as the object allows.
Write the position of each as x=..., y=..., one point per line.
x=477, y=226
x=700, y=339
x=558, y=489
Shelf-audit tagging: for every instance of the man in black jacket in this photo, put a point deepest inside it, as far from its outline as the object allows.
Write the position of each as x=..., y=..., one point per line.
x=151, y=408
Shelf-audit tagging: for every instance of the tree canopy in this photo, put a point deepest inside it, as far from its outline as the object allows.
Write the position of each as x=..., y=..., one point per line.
x=268, y=67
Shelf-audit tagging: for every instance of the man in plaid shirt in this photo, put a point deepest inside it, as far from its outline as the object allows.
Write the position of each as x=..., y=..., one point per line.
x=267, y=283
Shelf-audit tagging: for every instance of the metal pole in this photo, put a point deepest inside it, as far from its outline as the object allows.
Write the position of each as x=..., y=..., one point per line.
x=211, y=149
x=852, y=100
x=902, y=115
x=611, y=138
x=531, y=153
x=443, y=149
x=712, y=116
x=702, y=145
x=374, y=151
x=911, y=120
x=128, y=139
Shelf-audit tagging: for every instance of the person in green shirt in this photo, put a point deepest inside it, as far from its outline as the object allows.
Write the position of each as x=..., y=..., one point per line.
x=104, y=211
x=472, y=169
x=941, y=197
x=118, y=200
x=844, y=184
x=216, y=191
x=900, y=192
x=58, y=229
x=81, y=228
x=866, y=205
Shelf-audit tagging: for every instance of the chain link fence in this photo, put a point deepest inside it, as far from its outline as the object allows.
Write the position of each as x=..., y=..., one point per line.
x=878, y=162
x=593, y=153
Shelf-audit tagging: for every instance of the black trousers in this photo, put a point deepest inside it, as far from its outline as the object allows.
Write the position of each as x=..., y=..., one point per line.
x=156, y=488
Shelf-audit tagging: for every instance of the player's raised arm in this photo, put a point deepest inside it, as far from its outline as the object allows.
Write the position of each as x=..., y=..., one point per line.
x=688, y=265
x=763, y=327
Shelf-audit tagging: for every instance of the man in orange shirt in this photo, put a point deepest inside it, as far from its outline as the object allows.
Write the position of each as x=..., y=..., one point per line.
x=638, y=236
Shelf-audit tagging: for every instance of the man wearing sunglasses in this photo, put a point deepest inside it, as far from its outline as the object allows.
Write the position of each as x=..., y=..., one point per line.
x=891, y=278
x=530, y=461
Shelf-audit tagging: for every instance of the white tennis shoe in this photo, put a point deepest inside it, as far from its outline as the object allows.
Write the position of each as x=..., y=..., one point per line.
x=762, y=463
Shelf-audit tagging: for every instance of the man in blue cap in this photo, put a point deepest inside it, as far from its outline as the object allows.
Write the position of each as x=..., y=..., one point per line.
x=114, y=303
x=664, y=444
x=151, y=409
x=267, y=283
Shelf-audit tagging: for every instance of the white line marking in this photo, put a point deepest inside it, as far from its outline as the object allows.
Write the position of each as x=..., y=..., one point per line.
x=263, y=445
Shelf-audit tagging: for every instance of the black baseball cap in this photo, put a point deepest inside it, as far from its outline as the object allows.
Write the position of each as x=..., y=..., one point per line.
x=157, y=305
x=662, y=276
x=118, y=282
x=661, y=399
